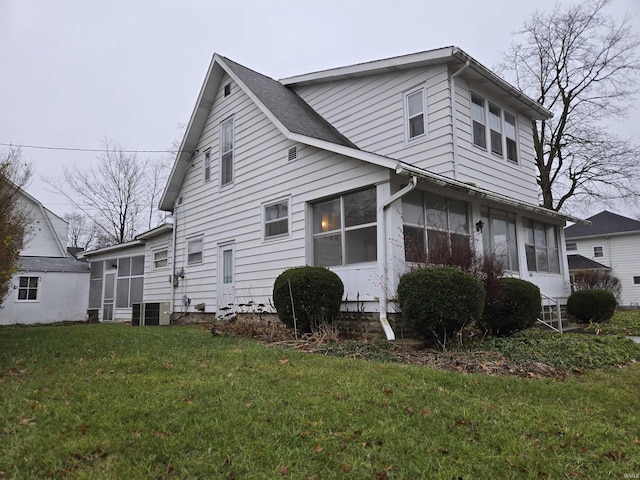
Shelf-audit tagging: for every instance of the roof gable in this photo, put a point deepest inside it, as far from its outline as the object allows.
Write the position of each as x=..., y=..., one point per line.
x=603, y=223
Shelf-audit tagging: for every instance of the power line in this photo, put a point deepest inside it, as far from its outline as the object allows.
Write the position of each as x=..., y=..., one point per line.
x=99, y=150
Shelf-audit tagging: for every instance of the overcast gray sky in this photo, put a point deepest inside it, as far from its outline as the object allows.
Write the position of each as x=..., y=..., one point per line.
x=74, y=72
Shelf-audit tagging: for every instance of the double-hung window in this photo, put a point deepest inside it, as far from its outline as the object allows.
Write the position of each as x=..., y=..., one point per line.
x=194, y=251
x=276, y=219
x=572, y=246
x=344, y=229
x=226, y=152
x=502, y=128
x=415, y=111
x=479, y=122
x=160, y=258
x=499, y=238
x=28, y=289
x=598, y=251
x=434, y=227
x=207, y=166
x=541, y=246
x=495, y=129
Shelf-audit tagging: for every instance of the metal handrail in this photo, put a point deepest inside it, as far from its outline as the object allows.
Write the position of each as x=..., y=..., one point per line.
x=543, y=320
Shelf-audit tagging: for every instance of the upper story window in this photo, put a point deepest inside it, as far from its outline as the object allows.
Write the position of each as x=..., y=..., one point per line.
x=344, y=229
x=636, y=280
x=434, y=227
x=276, y=219
x=572, y=246
x=227, y=90
x=598, y=251
x=415, y=111
x=541, y=246
x=502, y=128
x=194, y=250
x=479, y=122
x=226, y=152
x=499, y=238
x=28, y=289
x=207, y=166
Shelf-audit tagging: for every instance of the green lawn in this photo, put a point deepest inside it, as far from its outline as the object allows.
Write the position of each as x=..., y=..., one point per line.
x=116, y=402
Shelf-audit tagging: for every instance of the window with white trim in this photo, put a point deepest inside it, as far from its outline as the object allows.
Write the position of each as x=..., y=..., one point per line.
x=598, y=251
x=276, y=219
x=479, y=122
x=433, y=226
x=502, y=134
x=499, y=238
x=415, y=111
x=207, y=166
x=195, y=248
x=572, y=246
x=226, y=152
x=344, y=229
x=160, y=259
x=28, y=289
x=541, y=246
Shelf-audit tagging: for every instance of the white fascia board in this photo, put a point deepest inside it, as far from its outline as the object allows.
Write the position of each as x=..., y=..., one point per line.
x=112, y=248
x=603, y=235
x=368, y=68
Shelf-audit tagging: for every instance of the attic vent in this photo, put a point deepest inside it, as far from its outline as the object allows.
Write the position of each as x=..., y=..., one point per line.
x=227, y=90
x=293, y=153
x=180, y=199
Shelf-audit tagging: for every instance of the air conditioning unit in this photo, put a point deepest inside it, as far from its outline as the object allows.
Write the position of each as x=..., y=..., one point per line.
x=151, y=314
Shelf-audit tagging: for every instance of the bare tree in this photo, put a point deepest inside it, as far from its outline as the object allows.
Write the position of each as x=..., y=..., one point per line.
x=582, y=65
x=14, y=175
x=114, y=194
x=82, y=232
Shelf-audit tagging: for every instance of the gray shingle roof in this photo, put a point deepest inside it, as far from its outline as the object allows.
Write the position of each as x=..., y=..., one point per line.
x=578, y=262
x=52, y=264
x=603, y=223
x=293, y=112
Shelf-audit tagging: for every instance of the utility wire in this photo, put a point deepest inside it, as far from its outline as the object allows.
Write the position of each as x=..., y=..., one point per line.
x=101, y=150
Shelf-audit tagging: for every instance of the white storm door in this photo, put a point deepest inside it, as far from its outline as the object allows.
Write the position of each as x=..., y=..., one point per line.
x=226, y=280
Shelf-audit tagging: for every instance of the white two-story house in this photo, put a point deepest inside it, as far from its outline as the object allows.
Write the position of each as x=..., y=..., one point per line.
x=347, y=167
x=50, y=285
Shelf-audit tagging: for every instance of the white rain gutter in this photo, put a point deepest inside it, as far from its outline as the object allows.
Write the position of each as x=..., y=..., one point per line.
x=173, y=258
x=382, y=255
x=454, y=119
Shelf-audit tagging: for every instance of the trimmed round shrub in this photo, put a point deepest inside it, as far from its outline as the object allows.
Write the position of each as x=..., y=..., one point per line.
x=515, y=306
x=316, y=291
x=591, y=305
x=438, y=301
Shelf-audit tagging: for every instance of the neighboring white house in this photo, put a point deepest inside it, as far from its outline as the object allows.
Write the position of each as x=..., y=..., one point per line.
x=613, y=241
x=125, y=274
x=50, y=285
x=342, y=167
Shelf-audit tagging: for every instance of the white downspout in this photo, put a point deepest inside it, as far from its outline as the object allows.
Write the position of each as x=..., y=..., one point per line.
x=454, y=133
x=382, y=255
x=173, y=258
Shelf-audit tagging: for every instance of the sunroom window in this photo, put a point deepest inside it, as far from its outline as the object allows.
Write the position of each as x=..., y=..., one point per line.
x=499, y=238
x=344, y=229
x=434, y=227
x=541, y=246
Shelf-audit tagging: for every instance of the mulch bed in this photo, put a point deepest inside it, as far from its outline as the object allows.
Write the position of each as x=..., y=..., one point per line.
x=478, y=362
